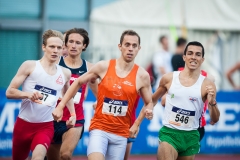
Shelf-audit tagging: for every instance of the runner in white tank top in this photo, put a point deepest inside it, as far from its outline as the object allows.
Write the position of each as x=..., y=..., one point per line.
x=186, y=92
x=50, y=86
x=42, y=82
x=183, y=107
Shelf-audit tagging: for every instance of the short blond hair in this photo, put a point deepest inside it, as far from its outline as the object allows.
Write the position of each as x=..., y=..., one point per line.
x=51, y=33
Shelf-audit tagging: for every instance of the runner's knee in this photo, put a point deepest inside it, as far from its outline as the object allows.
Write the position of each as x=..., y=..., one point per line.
x=66, y=155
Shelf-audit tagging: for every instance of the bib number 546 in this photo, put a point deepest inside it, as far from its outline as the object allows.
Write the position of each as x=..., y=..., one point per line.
x=181, y=118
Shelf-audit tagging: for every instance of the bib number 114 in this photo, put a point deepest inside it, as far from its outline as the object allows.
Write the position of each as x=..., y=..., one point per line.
x=115, y=109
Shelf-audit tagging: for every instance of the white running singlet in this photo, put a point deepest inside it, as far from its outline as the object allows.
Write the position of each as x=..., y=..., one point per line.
x=184, y=105
x=49, y=86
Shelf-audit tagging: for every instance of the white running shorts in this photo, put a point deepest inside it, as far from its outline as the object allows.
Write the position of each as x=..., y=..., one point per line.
x=110, y=145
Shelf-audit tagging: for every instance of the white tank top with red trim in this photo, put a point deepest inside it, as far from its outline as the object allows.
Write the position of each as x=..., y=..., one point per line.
x=49, y=86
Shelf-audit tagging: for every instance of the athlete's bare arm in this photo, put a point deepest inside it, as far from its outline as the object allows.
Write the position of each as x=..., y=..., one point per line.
x=163, y=100
x=23, y=72
x=58, y=112
x=97, y=71
x=209, y=76
x=92, y=84
x=70, y=103
x=145, y=90
x=164, y=85
x=209, y=93
x=229, y=75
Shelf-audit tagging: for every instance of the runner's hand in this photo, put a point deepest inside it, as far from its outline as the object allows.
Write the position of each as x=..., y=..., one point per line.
x=211, y=94
x=133, y=131
x=149, y=114
x=35, y=96
x=71, y=122
x=57, y=114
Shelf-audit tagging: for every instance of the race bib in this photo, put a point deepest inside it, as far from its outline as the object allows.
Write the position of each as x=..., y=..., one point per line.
x=182, y=117
x=115, y=107
x=77, y=97
x=49, y=95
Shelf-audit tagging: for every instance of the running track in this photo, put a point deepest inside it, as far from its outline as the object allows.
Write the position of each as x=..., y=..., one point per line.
x=153, y=157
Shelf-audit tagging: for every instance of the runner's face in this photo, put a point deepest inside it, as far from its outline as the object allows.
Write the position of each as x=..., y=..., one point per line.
x=53, y=48
x=129, y=47
x=75, y=44
x=193, y=58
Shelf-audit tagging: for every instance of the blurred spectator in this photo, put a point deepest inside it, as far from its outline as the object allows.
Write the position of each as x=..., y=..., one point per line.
x=152, y=74
x=162, y=60
x=229, y=73
x=177, y=59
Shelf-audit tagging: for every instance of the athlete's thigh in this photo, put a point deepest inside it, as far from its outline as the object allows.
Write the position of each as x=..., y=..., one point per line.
x=186, y=157
x=43, y=137
x=166, y=152
x=98, y=143
x=116, y=147
x=70, y=139
x=20, y=147
x=22, y=139
x=53, y=152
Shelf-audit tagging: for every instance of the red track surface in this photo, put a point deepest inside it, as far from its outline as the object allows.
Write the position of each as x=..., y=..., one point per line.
x=153, y=157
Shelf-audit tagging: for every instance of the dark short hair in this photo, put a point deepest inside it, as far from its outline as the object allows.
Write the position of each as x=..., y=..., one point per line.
x=80, y=31
x=131, y=33
x=181, y=41
x=161, y=38
x=194, y=43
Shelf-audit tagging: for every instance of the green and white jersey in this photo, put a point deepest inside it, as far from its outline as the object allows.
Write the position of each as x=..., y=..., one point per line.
x=184, y=105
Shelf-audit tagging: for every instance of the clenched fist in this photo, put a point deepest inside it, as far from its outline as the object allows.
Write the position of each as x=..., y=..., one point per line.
x=149, y=114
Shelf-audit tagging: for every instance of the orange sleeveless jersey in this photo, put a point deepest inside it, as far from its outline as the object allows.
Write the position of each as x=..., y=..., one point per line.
x=115, y=102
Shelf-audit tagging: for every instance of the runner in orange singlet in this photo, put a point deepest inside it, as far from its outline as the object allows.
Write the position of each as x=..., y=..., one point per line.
x=129, y=140
x=121, y=81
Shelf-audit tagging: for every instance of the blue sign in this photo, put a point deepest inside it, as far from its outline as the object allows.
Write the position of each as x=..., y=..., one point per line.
x=221, y=138
x=8, y=111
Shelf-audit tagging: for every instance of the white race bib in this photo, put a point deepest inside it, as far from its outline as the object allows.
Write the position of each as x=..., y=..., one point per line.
x=181, y=117
x=49, y=95
x=77, y=97
x=115, y=107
